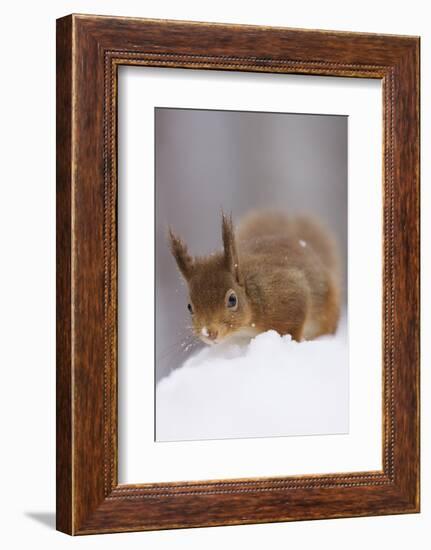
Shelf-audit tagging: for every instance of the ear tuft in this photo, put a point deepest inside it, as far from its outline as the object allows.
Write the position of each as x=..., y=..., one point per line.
x=229, y=245
x=181, y=255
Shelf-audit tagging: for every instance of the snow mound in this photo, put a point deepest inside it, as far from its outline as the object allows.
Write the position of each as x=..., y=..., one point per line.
x=273, y=386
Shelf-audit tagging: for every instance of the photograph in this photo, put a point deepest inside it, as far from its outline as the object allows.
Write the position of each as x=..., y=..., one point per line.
x=215, y=275
x=251, y=307
x=237, y=273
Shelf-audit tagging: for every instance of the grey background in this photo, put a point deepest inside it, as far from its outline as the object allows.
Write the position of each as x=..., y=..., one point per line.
x=209, y=160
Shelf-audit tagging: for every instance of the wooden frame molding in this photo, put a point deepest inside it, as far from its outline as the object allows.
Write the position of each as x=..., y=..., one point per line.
x=89, y=51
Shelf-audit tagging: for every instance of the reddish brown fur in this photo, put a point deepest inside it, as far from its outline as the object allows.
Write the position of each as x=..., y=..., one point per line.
x=284, y=272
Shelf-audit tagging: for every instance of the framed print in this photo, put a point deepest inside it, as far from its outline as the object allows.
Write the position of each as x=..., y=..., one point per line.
x=237, y=274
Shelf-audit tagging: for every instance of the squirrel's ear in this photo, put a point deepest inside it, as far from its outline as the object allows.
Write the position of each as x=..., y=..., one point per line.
x=229, y=245
x=181, y=255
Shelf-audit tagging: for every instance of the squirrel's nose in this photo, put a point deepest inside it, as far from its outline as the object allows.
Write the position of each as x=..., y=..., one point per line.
x=212, y=333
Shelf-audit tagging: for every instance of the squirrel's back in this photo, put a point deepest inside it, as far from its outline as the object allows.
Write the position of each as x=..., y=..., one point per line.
x=298, y=257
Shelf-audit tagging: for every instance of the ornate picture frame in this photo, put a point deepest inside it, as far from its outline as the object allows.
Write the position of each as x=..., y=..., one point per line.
x=89, y=51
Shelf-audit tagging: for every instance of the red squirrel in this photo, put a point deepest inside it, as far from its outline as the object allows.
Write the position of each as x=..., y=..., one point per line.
x=274, y=273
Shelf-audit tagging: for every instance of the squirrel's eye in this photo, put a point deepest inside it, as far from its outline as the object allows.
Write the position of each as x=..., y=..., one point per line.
x=189, y=307
x=231, y=300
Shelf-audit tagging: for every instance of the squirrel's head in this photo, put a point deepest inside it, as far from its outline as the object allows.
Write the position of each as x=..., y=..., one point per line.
x=218, y=303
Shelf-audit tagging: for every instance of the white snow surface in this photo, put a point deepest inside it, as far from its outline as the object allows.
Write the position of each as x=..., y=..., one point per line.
x=272, y=386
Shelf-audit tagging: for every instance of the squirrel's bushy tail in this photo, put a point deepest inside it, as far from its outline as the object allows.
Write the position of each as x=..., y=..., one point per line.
x=320, y=238
x=303, y=227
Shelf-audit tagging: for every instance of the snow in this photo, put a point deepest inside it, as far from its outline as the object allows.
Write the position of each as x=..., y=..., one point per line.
x=272, y=386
